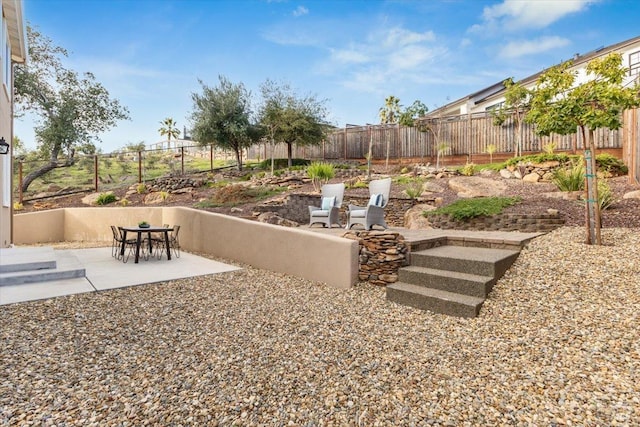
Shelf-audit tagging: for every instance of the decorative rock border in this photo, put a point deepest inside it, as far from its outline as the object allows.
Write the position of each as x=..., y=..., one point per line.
x=503, y=222
x=382, y=253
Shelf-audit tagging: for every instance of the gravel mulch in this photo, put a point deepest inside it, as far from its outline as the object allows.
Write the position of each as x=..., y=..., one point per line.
x=556, y=343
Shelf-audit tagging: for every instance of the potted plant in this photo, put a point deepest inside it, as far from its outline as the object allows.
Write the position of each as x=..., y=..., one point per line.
x=144, y=224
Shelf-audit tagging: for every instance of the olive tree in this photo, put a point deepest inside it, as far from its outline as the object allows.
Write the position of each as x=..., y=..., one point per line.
x=290, y=118
x=560, y=106
x=72, y=109
x=221, y=117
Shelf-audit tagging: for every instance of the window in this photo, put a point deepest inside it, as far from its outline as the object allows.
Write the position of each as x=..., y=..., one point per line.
x=634, y=63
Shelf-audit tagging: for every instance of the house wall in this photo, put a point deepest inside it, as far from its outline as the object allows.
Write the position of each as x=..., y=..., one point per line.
x=314, y=256
x=12, y=49
x=6, y=133
x=581, y=77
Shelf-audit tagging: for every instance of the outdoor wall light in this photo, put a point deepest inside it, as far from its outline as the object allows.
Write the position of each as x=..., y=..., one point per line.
x=4, y=146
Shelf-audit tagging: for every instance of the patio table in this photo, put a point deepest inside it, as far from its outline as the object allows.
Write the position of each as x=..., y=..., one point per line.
x=139, y=230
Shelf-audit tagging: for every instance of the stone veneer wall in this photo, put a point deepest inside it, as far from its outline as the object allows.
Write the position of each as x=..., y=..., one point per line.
x=503, y=222
x=296, y=208
x=382, y=253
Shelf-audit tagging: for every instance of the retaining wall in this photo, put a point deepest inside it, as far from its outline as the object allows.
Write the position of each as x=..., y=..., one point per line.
x=314, y=256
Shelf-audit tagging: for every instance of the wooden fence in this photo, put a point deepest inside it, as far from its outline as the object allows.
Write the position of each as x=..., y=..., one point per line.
x=464, y=136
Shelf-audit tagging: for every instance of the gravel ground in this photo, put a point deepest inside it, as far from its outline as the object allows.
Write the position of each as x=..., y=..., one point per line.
x=556, y=343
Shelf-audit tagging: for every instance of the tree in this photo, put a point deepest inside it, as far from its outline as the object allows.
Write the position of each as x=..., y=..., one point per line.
x=290, y=118
x=390, y=114
x=557, y=106
x=516, y=103
x=221, y=117
x=72, y=109
x=169, y=129
x=413, y=112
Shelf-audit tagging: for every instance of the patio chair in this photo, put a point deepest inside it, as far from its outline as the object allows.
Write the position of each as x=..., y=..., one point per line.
x=159, y=246
x=116, y=245
x=373, y=213
x=328, y=212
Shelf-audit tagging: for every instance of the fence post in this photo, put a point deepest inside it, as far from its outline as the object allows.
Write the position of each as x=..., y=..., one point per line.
x=182, y=158
x=95, y=172
x=139, y=167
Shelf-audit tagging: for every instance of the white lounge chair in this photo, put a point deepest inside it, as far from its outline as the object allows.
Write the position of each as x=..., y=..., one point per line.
x=328, y=212
x=373, y=213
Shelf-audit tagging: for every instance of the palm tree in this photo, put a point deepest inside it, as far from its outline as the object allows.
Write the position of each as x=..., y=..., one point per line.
x=169, y=129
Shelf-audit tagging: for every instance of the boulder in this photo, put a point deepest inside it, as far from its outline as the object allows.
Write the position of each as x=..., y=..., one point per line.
x=90, y=199
x=275, y=219
x=474, y=186
x=432, y=187
x=531, y=177
x=154, y=198
x=506, y=174
x=632, y=195
x=414, y=220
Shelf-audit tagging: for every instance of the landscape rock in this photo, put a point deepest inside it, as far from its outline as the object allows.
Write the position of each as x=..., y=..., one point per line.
x=474, y=186
x=273, y=218
x=154, y=198
x=506, y=174
x=90, y=199
x=414, y=220
x=632, y=195
x=531, y=177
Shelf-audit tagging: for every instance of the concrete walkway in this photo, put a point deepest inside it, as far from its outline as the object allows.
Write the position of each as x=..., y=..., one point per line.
x=105, y=272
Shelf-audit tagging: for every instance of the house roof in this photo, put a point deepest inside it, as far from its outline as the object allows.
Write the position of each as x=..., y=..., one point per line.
x=12, y=10
x=498, y=88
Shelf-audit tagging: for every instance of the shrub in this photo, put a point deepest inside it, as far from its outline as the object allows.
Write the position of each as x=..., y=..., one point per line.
x=605, y=195
x=414, y=189
x=17, y=206
x=468, y=170
x=106, y=198
x=141, y=188
x=569, y=179
x=235, y=194
x=320, y=173
x=465, y=209
x=611, y=165
x=282, y=163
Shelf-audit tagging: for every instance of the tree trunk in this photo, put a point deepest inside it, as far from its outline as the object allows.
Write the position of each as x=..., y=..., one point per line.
x=238, y=151
x=289, y=154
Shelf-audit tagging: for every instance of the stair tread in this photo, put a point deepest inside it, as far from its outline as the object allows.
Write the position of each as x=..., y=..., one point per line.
x=468, y=253
x=436, y=293
x=449, y=273
x=67, y=266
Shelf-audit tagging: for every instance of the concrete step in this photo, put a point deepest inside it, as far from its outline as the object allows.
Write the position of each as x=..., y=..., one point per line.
x=435, y=300
x=25, y=259
x=471, y=260
x=67, y=266
x=451, y=281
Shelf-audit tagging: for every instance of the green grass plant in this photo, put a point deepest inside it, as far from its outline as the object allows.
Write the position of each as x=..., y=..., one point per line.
x=605, y=194
x=106, y=198
x=465, y=209
x=569, y=179
x=320, y=173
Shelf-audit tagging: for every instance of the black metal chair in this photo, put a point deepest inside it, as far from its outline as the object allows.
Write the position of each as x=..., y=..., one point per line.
x=116, y=245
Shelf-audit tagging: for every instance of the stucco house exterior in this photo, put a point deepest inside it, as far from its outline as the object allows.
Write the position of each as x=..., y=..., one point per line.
x=493, y=96
x=13, y=49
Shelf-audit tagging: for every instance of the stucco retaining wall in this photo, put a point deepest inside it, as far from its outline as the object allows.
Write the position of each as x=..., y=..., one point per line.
x=314, y=256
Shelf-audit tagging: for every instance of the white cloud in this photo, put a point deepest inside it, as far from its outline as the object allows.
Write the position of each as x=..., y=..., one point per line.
x=512, y=15
x=398, y=37
x=517, y=49
x=300, y=10
x=349, y=56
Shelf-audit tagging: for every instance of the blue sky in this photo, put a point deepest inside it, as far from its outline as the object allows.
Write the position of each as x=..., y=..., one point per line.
x=150, y=54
